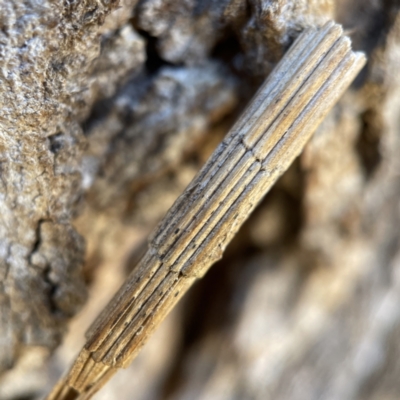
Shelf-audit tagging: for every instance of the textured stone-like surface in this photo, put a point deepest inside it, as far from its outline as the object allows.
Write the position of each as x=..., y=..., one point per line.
x=144, y=136
x=48, y=53
x=187, y=31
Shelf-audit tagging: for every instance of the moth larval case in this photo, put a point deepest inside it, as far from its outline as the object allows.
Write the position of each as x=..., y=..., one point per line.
x=271, y=132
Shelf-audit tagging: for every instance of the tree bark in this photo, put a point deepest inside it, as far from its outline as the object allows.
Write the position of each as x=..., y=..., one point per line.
x=107, y=112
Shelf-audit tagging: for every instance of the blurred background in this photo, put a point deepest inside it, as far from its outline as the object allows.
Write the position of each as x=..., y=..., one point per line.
x=128, y=103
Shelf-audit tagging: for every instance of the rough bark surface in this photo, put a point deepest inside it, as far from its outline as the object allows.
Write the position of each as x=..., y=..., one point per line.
x=107, y=111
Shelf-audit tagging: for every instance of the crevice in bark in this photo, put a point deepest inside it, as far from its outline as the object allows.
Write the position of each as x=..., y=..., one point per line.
x=368, y=143
x=55, y=143
x=154, y=62
x=38, y=240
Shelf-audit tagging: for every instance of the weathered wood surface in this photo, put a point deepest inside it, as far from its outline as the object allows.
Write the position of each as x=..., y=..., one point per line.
x=270, y=134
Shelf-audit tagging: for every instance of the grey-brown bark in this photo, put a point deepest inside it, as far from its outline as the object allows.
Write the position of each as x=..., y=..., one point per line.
x=47, y=50
x=110, y=112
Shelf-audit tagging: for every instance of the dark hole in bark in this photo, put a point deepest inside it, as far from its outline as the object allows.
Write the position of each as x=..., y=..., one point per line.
x=368, y=143
x=56, y=142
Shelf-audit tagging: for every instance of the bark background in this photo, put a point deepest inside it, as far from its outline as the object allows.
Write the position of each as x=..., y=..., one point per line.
x=107, y=110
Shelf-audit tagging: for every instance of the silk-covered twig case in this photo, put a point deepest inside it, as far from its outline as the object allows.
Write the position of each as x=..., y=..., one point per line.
x=266, y=139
